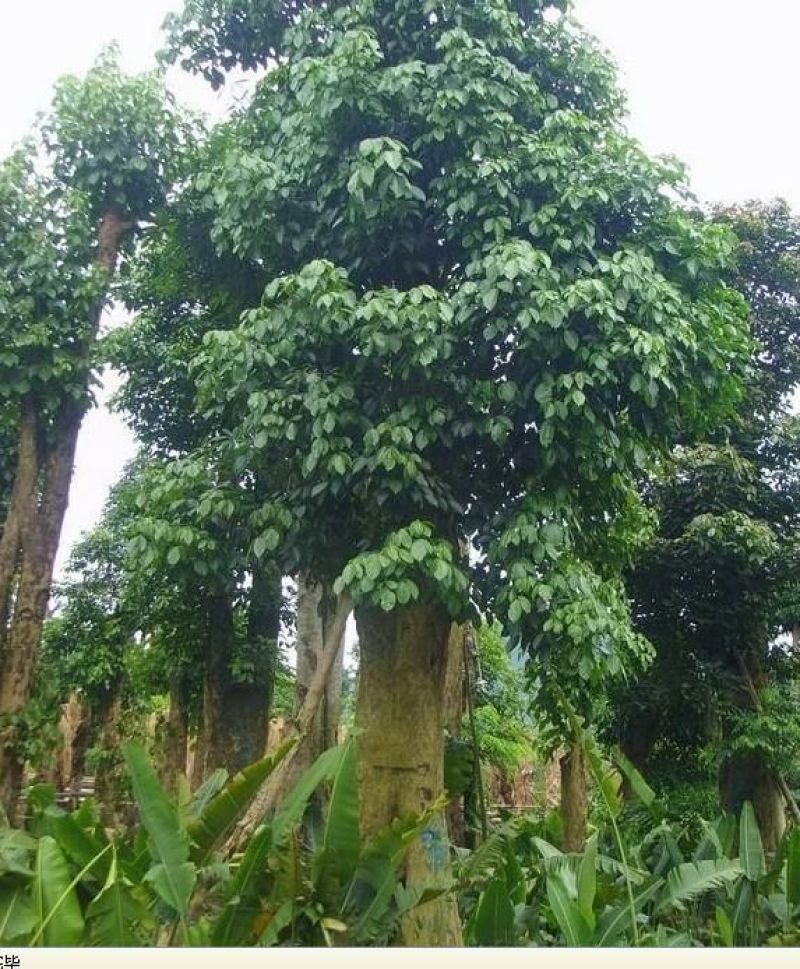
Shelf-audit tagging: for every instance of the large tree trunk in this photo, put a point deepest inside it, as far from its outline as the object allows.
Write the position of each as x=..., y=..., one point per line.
x=236, y=713
x=174, y=741
x=400, y=714
x=219, y=747
x=263, y=630
x=21, y=512
x=454, y=698
x=574, y=799
x=300, y=728
x=309, y=647
x=30, y=603
x=107, y=778
x=195, y=756
x=746, y=778
x=33, y=526
x=75, y=730
x=636, y=744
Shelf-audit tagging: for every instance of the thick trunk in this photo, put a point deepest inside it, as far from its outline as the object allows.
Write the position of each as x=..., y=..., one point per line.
x=263, y=630
x=218, y=747
x=301, y=728
x=236, y=713
x=400, y=714
x=453, y=713
x=746, y=778
x=21, y=512
x=245, y=705
x=195, y=757
x=332, y=703
x=310, y=646
x=636, y=745
x=174, y=740
x=75, y=731
x=107, y=780
x=574, y=801
x=36, y=530
x=314, y=631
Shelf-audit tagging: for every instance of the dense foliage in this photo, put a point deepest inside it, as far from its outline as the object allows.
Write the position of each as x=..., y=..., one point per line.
x=418, y=334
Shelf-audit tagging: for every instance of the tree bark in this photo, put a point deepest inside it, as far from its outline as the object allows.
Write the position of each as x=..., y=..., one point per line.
x=301, y=728
x=400, y=714
x=309, y=646
x=454, y=711
x=35, y=528
x=219, y=743
x=574, y=800
x=75, y=729
x=263, y=630
x=635, y=744
x=107, y=774
x=746, y=778
x=195, y=756
x=21, y=512
x=174, y=741
x=236, y=713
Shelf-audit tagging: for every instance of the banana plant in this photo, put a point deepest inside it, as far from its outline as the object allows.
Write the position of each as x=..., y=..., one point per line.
x=319, y=884
x=71, y=882
x=297, y=882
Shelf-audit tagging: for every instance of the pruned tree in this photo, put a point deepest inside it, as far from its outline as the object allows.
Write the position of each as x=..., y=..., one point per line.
x=485, y=311
x=107, y=152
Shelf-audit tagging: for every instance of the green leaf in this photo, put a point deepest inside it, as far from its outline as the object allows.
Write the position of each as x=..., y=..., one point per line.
x=575, y=928
x=16, y=849
x=337, y=859
x=80, y=846
x=218, y=817
x=742, y=904
x=59, y=921
x=236, y=921
x=377, y=876
x=793, y=866
x=419, y=549
x=617, y=920
x=173, y=876
x=639, y=785
x=587, y=881
x=278, y=921
x=113, y=913
x=724, y=926
x=694, y=878
x=324, y=768
x=492, y=922
x=17, y=918
x=751, y=849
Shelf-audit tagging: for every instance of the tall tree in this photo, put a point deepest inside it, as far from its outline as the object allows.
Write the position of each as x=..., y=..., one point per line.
x=178, y=289
x=717, y=586
x=485, y=310
x=108, y=146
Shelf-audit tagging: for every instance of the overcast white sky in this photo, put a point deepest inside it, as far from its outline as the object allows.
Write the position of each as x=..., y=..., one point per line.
x=712, y=81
